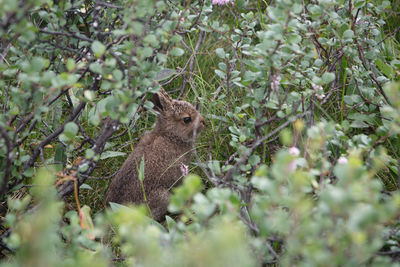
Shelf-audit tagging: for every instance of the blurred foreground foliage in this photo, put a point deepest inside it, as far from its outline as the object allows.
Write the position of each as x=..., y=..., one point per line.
x=299, y=163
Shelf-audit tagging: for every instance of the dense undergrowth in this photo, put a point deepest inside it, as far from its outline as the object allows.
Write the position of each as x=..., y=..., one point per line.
x=298, y=164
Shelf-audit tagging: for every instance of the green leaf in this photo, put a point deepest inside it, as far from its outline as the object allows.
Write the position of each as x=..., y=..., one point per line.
x=111, y=154
x=328, y=77
x=37, y=64
x=151, y=39
x=164, y=74
x=98, y=48
x=176, y=39
x=158, y=225
x=359, y=4
x=352, y=99
x=10, y=71
x=222, y=66
x=89, y=95
x=202, y=206
x=348, y=34
x=385, y=68
x=359, y=124
x=70, y=64
x=96, y=67
x=220, y=74
x=89, y=153
x=191, y=185
x=60, y=156
x=137, y=27
x=220, y=52
x=115, y=206
x=117, y=74
x=85, y=186
x=170, y=222
x=254, y=160
x=29, y=172
x=145, y=52
x=70, y=129
x=177, y=52
x=141, y=169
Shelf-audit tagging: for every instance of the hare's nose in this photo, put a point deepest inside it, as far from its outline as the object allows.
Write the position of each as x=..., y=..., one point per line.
x=202, y=121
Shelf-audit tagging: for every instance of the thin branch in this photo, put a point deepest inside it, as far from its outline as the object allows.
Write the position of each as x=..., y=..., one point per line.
x=100, y=178
x=9, y=160
x=391, y=253
x=362, y=57
x=389, y=35
x=192, y=59
x=120, y=63
x=398, y=173
x=249, y=152
x=88, y=165
x=53, y=135
x=67, y=34
x=106, y=4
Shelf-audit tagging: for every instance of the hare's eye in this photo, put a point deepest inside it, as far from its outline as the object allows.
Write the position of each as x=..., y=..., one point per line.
x=187, y=120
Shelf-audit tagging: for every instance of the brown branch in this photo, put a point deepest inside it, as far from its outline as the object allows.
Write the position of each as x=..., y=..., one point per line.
x=53, y=135
x=362, y=96
x=192, y=60
x=256, y=144
x=109, y=129
x=106, y=4
x=361, y=54
x=9, y=160
x=391, y=253
x=333, y=64
x=67, y=34
x=398, y=173
x=100, y=178
x=389, y=35
x=120, y=63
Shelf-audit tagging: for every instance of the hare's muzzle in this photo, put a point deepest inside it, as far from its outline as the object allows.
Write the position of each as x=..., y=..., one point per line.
x=201, y=123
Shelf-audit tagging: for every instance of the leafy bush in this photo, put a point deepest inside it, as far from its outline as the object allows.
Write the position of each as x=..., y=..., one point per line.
x=297, y=163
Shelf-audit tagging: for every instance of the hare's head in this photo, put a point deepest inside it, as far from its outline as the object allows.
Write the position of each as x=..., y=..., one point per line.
x=177, y=119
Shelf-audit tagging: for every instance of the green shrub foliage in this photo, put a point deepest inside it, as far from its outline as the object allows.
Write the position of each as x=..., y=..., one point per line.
x=298, y=164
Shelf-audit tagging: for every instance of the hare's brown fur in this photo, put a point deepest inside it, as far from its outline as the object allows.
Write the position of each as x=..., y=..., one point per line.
x=164, y=148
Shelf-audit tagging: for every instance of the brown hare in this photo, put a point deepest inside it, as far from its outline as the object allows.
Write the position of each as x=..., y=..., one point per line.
x=165, y=148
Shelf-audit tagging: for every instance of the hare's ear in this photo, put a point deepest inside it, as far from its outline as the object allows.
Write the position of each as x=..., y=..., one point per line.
x=161, y=100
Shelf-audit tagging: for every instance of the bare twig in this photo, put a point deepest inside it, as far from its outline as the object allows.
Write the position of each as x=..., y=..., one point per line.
x=87, y=166
x=362, y=57
x=257, y=143
x=193, y=58
x=53, y=135
x=9, y=160
x=398, y=173
x=67, y=34
x=100, y=178
x=389, y=35
x=106, y=4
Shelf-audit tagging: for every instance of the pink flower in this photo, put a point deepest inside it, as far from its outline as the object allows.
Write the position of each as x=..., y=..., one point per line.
x=294, y=151
x=342, y=160
x=316, y=87
x=319, y=91
x=276, y=81
x=221, y=2
x=184, y=169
